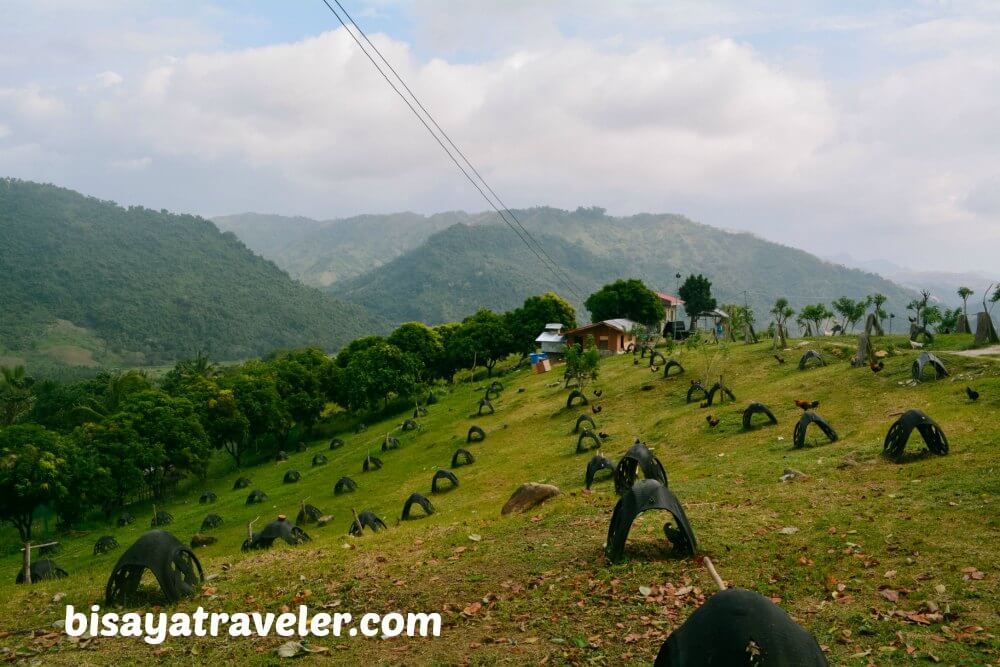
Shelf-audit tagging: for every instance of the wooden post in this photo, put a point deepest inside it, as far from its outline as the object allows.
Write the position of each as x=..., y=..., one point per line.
x=357, y=522
x=28, y=546
x=250, y=529
x=715, y=575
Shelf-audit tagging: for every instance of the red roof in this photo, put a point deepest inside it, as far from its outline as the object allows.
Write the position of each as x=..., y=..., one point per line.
x=669, y=299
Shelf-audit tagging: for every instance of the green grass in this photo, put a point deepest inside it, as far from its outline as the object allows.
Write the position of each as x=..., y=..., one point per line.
x=546, y=590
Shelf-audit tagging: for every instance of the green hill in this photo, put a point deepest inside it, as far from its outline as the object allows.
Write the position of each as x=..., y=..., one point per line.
x=320, y=253
x=895, y=563
x=86, y=282
x=407, y=266
x=487, y=265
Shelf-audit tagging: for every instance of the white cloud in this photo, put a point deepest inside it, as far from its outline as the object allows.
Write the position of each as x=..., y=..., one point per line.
x=898, y=159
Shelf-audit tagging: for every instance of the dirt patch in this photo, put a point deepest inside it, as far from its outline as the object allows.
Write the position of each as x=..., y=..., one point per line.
x=11, y=362
x=981, y=352
x=72, y=355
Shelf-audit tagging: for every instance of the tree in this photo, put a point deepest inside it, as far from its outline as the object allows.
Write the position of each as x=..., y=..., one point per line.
x=918, y=306
x=526, y=322
x=630, y=299
x=850, y=311
x=257, y=399
x=739, y=318
x=948, y=321
x=878, y=300
x=696, y=292
x=171, y=426
x=483, y=337
x=781, y=311
x=582, y=364
x=377, y=373
x=32, y=473
x=121, y=456
x=422, y=342
x=355, y=346
x=16, y=394
x=452, y=358
x=107, y=392
x=816, y=314
x=965, y=293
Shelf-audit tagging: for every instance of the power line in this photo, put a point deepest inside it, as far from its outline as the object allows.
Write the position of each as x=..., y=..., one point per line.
x=506, y=209
x=552, y=267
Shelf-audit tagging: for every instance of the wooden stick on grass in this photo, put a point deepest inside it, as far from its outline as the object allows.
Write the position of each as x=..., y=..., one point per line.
x=715, y=575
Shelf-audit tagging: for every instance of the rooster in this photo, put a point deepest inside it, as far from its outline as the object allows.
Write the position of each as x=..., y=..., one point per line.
x=712, y=421
x=972, y=394
x=654, y=369
x=876, y=368
x=780, y=358
x=806, y=405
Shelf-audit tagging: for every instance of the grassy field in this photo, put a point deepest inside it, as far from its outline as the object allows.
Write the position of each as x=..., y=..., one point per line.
x=884, y=563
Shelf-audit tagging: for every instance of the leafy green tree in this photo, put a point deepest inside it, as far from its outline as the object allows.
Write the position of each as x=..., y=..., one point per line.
x=696, y=292
x=582, y=364
x=268, y=419
x=948, y=322
x=964, y=293
x=299, y=380
x=452, y=356
x=186, y=370
x=422, y=342
x=32, y=473
x=170, y=425
x=526, y=322
x=226, y=426
x=918, y=306
x=121, y=455
x=850, y=311
x=357, y=345
x=878, y=301
x=377, y=373
x=16, y=394
x=483, y=338
x=88, y=484
x=815, y=314
x=630, y=299
x=781, y=311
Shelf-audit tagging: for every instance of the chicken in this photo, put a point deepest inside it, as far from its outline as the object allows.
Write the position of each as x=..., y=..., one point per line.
x=780, y=358
x=654, y=369
x=806, y=405
x=603, y=436
x=972, y=394
x=876, y=368
x=712, y=421
x=598, y=392
x=596, y=409
x=704, y=404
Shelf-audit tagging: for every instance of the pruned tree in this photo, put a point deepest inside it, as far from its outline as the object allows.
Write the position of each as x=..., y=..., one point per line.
x=781, y=311
x=696, y=292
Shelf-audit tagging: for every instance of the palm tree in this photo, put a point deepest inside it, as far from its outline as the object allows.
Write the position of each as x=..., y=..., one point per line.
x=16, y=394
x=118, y=385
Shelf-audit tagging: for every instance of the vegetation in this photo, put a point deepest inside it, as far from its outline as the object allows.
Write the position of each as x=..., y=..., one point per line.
x=696, y=292
x=477, y=262
x=87, y=281
x=629, y=299
x=860, y=550
x=781, y=311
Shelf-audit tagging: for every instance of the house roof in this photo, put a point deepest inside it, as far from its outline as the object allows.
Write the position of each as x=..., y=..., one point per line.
x=620, y=324
x=669, y=299
x=550, y=337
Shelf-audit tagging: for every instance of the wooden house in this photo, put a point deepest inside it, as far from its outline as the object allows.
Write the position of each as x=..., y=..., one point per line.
x=610, y=336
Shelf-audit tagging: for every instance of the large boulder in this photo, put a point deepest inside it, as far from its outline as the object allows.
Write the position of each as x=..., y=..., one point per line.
x=528, y=495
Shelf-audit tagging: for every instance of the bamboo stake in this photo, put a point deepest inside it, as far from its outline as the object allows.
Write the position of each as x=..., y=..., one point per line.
x=715, y=575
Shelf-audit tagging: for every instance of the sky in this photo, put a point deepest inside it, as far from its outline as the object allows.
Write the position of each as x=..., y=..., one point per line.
x=868, y=129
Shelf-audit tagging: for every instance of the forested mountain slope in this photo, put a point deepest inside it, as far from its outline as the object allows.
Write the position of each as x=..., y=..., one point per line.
x=86, y=281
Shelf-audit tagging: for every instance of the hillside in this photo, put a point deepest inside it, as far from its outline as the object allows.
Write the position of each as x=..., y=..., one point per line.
x=489, y=263
x=86, y=282
x=320, y=253
x=860, y=551
x=485, y=264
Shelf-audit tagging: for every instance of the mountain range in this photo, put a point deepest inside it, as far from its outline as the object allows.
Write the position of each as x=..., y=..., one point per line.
x=442, y=267
x=87, y=282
